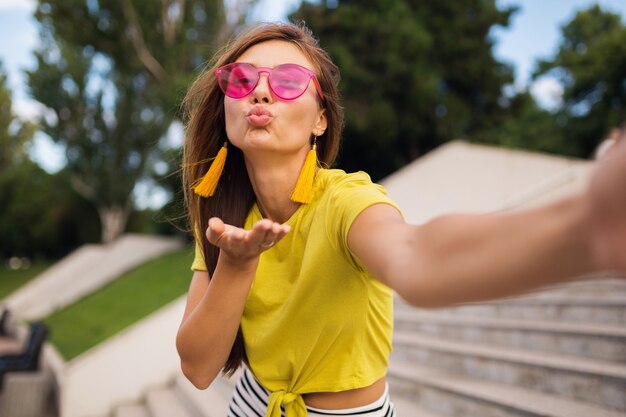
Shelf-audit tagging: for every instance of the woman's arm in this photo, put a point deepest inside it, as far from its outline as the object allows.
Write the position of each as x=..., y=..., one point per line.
x=462, y=258
x=214, y=307
x=211, y=319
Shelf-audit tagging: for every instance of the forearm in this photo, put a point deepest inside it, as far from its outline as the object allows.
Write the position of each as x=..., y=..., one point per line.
x=207, y=334
x=464, y=258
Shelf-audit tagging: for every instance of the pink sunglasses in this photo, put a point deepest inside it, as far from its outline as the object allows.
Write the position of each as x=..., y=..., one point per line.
x=287, y=81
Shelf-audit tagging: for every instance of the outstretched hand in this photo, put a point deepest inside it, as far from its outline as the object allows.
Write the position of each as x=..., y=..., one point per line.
x=241, y=245
x=607, y=197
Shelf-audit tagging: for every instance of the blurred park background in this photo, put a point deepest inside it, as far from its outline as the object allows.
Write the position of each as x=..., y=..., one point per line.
x=91, y=130
x=91, y=146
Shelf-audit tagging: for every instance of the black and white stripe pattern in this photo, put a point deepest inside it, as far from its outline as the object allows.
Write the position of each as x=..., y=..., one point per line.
x=250, y=400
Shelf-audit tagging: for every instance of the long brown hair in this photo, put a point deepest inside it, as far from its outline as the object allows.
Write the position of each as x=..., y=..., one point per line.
x=205, y=133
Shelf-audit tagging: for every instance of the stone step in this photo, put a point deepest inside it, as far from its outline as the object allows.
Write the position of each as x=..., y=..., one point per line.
x=212, y=402
x=607, y=284
x=594, y=381
x=570, y=308
x=596, y=341
x=131, y=410
x=163, y=402
x=454, y=395
x=407, y=408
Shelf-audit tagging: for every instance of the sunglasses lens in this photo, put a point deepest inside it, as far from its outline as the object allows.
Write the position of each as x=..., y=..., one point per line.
x=237, y=80
x=289, y=81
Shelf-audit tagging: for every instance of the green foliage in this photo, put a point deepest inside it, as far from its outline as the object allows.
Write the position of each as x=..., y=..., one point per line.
x=414, y=75
x=591, y=65
x=41, y=216
x=15, y=135
x=112, y=73
x=529, y=127
x=157, y=222
x=137, y=294
x=39, y=213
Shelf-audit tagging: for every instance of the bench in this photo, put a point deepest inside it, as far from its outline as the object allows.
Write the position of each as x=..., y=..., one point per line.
x=25, y=387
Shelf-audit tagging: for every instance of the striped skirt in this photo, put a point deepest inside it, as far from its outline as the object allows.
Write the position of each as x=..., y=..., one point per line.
x=250, y=400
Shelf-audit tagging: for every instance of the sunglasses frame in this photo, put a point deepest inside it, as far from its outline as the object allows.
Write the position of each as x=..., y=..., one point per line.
x=268, y=71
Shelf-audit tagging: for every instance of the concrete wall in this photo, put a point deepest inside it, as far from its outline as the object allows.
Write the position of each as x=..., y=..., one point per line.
x=83, y=272
x=464, y=177
x=122, y=368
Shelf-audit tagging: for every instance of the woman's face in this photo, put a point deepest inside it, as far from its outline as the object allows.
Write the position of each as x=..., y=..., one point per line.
x=262, y=122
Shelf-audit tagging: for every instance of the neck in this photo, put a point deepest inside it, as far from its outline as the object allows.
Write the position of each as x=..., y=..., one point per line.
x=273, y=179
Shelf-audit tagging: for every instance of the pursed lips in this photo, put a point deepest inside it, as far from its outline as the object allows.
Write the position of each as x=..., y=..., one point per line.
x=259, y=116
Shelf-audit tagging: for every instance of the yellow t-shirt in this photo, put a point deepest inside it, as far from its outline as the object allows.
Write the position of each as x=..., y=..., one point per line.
x=315, y=319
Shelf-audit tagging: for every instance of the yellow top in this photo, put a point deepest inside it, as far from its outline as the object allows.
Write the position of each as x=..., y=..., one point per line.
x=315, y=319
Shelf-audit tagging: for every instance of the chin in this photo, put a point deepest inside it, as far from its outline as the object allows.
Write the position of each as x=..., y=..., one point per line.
x=258, y=142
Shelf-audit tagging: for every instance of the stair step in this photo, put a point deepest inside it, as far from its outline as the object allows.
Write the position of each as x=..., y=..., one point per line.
x=597, y=341
x=608, y=284
x=163, y=402
x=212, y=402
x=608, y=309
x=407, y=408
x=459, y=396
x=599, y=382
x=131, y=410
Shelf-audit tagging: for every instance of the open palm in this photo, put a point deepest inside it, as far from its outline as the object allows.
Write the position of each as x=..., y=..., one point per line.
x=241, y=245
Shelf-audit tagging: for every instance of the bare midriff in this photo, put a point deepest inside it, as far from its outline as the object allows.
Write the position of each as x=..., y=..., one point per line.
x=346, y=399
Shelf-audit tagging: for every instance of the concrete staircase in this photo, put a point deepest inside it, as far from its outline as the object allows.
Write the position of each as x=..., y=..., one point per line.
x=557, y=353
x=181, y=399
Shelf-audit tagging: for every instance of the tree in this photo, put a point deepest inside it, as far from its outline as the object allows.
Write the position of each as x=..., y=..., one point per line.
x=528, y=126
x=15, y=135
x=33, y=227
x=414, y=74
x=112, y=74
x=591, y=65
x=29, y=224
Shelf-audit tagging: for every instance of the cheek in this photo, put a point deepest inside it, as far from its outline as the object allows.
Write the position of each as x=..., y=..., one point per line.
x=304, y=114
x=230, y=118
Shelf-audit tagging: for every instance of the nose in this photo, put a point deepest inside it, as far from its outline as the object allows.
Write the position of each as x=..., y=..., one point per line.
x=262, y=93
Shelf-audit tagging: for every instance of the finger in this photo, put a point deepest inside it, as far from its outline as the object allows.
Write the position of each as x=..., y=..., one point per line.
x=274, y=235
x=269, y=239
x=276, y=228
x=284, y=229
x=259, y=231
x=281, y=232
x=216, y=230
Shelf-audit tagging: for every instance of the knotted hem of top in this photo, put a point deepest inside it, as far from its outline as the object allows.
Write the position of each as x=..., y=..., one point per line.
x=294, y=404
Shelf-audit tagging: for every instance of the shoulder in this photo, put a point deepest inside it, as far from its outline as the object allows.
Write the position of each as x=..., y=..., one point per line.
x=338, y=181
x=343, y=196
x=339, y=176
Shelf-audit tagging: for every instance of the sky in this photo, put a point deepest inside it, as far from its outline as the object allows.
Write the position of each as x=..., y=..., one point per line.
x=534, y=33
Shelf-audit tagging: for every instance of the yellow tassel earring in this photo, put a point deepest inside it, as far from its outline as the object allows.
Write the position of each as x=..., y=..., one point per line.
x=206, y=186
x=303, y=193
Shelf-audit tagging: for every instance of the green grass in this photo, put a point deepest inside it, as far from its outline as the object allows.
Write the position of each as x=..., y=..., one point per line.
x=10, y=279
x=95, y=318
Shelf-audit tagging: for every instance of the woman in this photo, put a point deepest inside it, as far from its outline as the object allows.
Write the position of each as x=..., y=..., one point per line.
x=295, y=264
